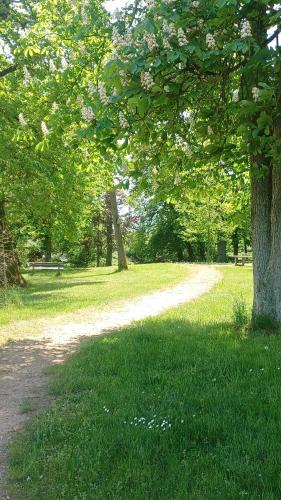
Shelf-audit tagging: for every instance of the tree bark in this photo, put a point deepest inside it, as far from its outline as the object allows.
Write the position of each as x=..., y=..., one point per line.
x=235, y=241
x=109, y=230
x=9, y=262
x=221, y=251
x=122, y=258
x=48, y=248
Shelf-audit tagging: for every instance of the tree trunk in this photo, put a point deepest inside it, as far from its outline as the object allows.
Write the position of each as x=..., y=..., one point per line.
x=221, y=251
x=47, y=245
x=109, y=230
x=235, y=241
x=9, y=263
x=190, y=251
x=122, y=259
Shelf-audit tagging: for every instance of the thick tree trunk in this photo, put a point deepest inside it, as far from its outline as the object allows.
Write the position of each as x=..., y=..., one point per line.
x=47, y=245
x=109, y=230
x=9, y=263
x=221, y=251
x=122, y=259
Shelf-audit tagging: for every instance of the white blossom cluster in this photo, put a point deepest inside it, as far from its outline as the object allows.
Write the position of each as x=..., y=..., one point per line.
x=64, y=63
x=52, y=66
x=87, y=113
x=44, y=128
x=22, y=121
x=210, y=41
x=195, y=4
x=246, y=29
x=80, y=100
x=55, y=107
x=235, y=95
x=84, y=14
x=169, y=28
x=256, y=93
x=27, y=76
x=146, y=80
x=123, y=120
x=151, y=3
x=91, y=87
x=166, y=44
x=182, y=37
x=102, y=93
x=151, y=41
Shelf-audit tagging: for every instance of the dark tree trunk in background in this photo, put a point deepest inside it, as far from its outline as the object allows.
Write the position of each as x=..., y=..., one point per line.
x=245, y=246
x=235, y=241
x=109, y=230
x=47, y=246
x=122, y=258
x=9, y=263
x=221, y=251
x=190, y=252
x=202, y=251
x=180, y=256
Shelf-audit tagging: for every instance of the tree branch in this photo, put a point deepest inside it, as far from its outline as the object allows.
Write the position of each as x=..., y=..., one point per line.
x=8, y=70
x=274, y=35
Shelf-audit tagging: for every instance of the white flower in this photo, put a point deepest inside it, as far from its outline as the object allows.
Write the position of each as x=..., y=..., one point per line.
x=256, y=93
x=102, y=93
x=87, y=113
x=235, y=95
x=151, y=41
x=210, y=130
x=55, y=106
x=210, y=41
x=166, y=44
x=52, y=66
x=182, y=37
x=195, y=5
x=246, y=29
x=91, y=87
x=80, y=100
x=64, y=63
x=123, y=121
x=27, y=75
x=44, y=128
x=146, y=80
x=22, y=120
x=177, y=180
x=84, y=14
x=169, y=28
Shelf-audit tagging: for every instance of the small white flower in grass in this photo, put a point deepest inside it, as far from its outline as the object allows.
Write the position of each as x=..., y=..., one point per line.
x=22, y=121
x=266, y=347
x=52, y=66
x=27, y=76
x=246, y=30
x=122, y=120
x=235, y=95
x=210, y=41
x=256, y=93
x=87, y=113
x=44, y=128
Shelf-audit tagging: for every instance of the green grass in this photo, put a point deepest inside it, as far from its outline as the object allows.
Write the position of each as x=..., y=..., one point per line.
x=47, y=295
x=217, y=391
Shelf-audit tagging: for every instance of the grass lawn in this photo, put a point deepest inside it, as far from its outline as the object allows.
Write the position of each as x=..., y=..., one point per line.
x=179, y=407
x=47, y=295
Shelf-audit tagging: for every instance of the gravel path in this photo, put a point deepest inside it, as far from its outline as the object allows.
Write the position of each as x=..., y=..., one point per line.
x=23, y=363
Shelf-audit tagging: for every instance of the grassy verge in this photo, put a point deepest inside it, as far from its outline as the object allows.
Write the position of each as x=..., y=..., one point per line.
x=178, y=407
x=47, y=295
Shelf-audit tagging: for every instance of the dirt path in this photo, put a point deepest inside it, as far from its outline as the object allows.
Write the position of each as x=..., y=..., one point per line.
x=23, y=362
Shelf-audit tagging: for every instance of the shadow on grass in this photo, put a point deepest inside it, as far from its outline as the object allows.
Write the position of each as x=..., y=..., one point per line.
x=217, y=392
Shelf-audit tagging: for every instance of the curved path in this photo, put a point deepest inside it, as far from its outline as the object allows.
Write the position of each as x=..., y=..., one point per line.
x=23, y=363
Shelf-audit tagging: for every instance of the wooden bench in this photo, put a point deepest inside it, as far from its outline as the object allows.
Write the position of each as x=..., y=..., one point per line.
x=58, y=266
x=240, y=258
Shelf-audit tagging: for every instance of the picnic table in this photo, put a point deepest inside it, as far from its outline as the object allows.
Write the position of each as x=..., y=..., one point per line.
x=241, y=258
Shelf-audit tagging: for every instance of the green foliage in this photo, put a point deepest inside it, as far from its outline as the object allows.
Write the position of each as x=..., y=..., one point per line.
x=240, y=313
